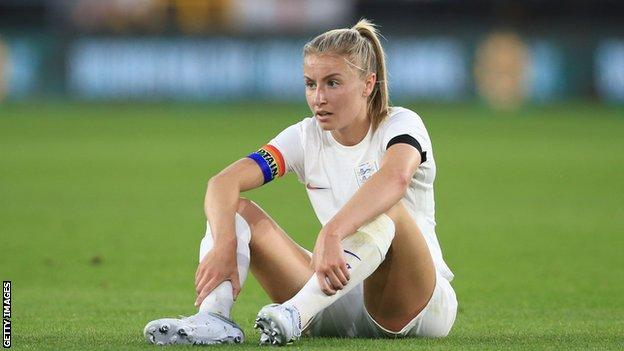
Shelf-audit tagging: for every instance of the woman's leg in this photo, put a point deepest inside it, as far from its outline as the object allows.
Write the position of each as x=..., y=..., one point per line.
x=280, y=265
x=404, y=282
x=364, y=251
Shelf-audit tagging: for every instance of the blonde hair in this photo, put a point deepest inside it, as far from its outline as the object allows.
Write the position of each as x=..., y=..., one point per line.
x=361, y=48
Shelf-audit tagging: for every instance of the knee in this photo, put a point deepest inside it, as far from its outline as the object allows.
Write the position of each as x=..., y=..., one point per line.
x=403, y=221
x=243, y=204
x=249, y=210
x=243, y=221
x=244, y=209
x=397, y=212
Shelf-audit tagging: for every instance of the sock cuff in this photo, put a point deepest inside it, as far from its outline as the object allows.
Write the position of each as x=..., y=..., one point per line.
x=243, y=237
x=243, y=231
x=381, y=230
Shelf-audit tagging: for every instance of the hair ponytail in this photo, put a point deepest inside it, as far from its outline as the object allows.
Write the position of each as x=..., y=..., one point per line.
x=362, y=48
x=378, y=101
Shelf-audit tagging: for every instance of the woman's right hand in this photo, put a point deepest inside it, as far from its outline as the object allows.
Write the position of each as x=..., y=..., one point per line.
x=216, y=267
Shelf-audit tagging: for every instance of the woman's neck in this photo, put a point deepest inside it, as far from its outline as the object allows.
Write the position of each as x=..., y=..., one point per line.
x=354, y=133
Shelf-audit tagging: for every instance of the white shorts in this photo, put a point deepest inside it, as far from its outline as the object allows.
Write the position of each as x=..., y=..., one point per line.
x=348, y=317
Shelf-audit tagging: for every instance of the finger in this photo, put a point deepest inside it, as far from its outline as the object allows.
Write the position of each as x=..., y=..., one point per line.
x=236, y=288
x=200, y=298
x=205, y=291
x=202, y=281
x=334, y=281
x=329, y=289
x=207, y=288
x=325, y=287
x=200, y=269
x=341, y=276
x=345, y=270
x=197, y=275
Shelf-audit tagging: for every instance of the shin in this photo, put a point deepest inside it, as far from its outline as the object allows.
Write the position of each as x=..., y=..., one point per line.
x=221, y=299
x=363, y=251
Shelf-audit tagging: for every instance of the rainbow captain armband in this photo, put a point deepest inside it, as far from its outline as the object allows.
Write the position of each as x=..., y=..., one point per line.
x=271, y=162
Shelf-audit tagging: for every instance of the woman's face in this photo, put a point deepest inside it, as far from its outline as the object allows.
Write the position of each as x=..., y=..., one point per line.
x=335, y=91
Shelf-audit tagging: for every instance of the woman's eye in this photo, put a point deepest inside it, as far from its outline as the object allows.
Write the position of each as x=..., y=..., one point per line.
x=333, y=83
x=309, y=85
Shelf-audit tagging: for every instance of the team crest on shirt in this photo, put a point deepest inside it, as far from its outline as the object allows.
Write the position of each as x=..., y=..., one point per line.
x=365, y=170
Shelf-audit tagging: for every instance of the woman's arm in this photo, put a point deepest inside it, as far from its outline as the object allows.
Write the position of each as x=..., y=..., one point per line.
x=376, y=196
x=379, y=193
x=222, y=197
x=220, y=204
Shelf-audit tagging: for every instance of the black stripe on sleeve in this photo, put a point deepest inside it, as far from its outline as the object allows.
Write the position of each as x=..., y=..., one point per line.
x=408, y=139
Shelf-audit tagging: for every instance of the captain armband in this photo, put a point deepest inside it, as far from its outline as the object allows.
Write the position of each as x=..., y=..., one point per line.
x=270, y=161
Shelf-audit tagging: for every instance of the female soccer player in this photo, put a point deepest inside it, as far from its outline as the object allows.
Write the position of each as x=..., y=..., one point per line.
x=377, y=268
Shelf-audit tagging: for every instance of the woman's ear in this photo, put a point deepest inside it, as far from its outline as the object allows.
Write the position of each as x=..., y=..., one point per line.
x=369, y=84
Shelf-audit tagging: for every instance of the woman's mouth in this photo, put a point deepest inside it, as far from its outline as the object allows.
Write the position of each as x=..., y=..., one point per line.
x=323, y=116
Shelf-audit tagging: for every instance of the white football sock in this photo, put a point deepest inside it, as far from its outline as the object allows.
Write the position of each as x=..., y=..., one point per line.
x=221, y=299
x=363, y=251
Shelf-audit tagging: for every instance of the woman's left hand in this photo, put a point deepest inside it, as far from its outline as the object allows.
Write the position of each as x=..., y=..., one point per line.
x=329, y=264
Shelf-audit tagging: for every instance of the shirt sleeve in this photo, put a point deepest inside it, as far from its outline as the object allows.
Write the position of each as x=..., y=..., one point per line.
x=407, y=127
x=289, y=143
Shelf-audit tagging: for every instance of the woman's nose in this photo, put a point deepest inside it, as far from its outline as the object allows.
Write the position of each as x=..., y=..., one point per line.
x=319, y=97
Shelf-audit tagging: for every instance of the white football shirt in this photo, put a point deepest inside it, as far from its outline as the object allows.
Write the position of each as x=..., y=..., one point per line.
x=333, y=172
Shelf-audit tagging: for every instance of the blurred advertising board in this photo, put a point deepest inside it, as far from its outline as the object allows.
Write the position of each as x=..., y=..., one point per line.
x=235, y=68
x=432, y=68
x=183, y=69
x=544, y=77
x=501, y=69
x=20, y=61
x=609, y=70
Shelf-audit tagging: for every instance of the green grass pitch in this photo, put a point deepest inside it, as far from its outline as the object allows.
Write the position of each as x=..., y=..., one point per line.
x=101, y=218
